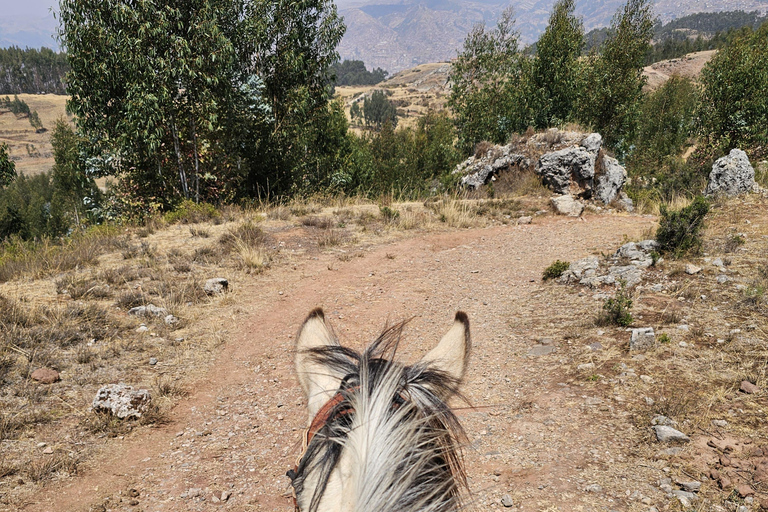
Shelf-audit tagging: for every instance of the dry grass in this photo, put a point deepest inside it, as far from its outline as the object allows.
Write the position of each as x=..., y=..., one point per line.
x=455, y=213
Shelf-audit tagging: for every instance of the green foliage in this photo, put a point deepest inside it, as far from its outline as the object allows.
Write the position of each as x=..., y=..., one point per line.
x=32, y=71
x=28, y=210
x=15, y=105
x=377, y=110
x=353, y=72
x=555, y=270
x=556, y=72
x=488, y=96
x=664, y=338
x=734, y=107
x=74, y=190
x=667, y=120
x=189, y=212
x=34, y=120
x=614, y=79
x=389, y=214
x=616, y=310
x=403, y=161
x=7, y=167
x=679, y=231
x=355, y=112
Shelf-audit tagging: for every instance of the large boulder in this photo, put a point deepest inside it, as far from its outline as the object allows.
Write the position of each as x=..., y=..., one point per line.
x=121, y=401
x=567, y=205
x=731, y=175
x=570, y=170
x=609, y=180
x=477, y=172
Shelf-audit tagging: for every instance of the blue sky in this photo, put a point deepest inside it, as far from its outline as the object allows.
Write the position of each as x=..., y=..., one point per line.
x=26, y=8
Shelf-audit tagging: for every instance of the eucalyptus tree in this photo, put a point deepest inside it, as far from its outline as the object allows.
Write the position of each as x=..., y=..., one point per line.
x=555, y=73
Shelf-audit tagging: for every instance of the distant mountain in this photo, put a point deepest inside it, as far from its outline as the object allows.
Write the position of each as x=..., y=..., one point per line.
x=32, y=31
x=399, y=34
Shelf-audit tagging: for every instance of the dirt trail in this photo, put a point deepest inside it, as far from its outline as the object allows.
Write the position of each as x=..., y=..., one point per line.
x=531, y=436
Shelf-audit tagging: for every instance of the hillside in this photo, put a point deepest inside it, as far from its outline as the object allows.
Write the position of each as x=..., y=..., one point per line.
x=689, y=66
x=32, y=152
x=400, y=34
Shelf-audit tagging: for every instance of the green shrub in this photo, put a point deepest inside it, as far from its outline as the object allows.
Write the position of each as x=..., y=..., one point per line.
x=616, y=310
x=555, y=270
x=189, y=212
x=679, y=232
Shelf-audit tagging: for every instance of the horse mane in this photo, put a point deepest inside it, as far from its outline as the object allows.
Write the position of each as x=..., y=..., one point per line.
x=404, y=438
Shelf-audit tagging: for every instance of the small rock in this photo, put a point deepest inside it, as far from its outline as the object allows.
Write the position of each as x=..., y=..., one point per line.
x=225, y=495
x=722, y=279
x=690, y=486
x=718, y=262
x=745, y=490
x=48, y=450
x=142, y=328
x=686, y=498
x=148, y=310
x=593, y=488
x=683, y=327
x=541, y=350
x=663, y=420
x=666, y=434
x=586, y=367
x=647, y=379
x=45, y=376
x=642, y=339
x=525, y=220
x=122, y=401
x=152, y=361
x=171, y=320
x=748, y=387
x=691, y=269
x=596, y=346
x=216, y=285
x=720, y=423
x=506, y=501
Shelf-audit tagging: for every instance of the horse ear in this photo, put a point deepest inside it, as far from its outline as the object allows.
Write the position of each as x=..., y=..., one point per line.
x=451, y=355
x=318, y=381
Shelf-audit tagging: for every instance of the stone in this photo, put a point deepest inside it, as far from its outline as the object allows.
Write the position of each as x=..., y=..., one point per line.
x=690, y=486
x=660, y=419
x=567, y=205
x=48, y=450
x=148, y=310
x=625, y=202
x=723, y=279
x=745, y=490
x=170, y=320
x=731, y=175
x=720, y=423
x=669, y=435
x=476, y=172
x=593, y=488
x=225, y=495
x=718, y=262
x=541, y=350
x=596, y=346
x=610, y=179
x=592, y=143
x=568, y=170
x=642, y=338
x=748, y=387
x=631, y=274
x=586, y=367
x=686, y=498
x=579, y=268
x=216, y=285
x=122, y=401
x=691, y=269
x=525, y=220
x=506, y=501
x=152, y=361
x=45, y=376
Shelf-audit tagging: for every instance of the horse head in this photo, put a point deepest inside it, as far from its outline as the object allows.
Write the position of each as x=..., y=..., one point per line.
x=381, y=436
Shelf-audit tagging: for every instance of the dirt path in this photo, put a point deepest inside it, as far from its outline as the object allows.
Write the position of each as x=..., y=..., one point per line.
x=535, y=434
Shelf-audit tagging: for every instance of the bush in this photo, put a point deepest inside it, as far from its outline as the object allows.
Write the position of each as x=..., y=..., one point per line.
x=679, y=232
x=616, y=310
x=189, y=212
x=555, y=270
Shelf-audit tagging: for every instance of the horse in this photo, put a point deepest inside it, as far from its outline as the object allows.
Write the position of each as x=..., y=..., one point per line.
x=381, y=436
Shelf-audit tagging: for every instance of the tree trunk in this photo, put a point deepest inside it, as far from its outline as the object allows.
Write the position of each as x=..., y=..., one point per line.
x=182, y=174
x=197, y=160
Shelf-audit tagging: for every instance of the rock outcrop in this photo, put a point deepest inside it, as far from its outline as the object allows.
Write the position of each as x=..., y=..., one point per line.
x=567, y=205
x=477, y=172
x=731, y=175
x=610, y=180
x=570, y=170
x=627, y=264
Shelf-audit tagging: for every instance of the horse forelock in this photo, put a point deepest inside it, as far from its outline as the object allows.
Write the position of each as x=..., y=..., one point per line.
x=396, y=442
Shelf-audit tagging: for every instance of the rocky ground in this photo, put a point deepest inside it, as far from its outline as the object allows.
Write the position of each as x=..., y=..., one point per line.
x=561, y=414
